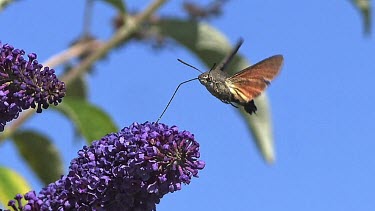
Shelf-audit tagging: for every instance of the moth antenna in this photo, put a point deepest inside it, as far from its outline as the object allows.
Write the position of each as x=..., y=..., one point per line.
x=189, y=65
x=174, y=93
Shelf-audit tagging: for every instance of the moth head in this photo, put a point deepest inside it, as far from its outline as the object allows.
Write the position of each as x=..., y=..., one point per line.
x=205, y=78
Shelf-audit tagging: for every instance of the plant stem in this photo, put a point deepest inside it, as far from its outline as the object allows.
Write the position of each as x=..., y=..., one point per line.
x=130, y=26
x=124, y=33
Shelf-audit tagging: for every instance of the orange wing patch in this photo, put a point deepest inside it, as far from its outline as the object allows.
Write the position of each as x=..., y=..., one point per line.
x=250, y=82
x=246, y=90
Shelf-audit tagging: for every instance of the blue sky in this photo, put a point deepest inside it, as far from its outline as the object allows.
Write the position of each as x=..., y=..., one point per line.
x=322, y=103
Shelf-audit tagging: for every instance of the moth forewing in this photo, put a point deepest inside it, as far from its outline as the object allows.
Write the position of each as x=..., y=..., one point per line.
x=251, y=82
x=267, y=69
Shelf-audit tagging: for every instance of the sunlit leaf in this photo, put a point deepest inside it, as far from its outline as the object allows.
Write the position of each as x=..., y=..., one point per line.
x=40, y=153
x=11, y=183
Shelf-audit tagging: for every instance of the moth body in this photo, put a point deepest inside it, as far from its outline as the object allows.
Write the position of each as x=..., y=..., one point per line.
x=214, y=81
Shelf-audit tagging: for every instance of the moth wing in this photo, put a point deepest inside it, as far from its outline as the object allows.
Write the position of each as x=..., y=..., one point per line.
x=222, y=65
x=250, y=82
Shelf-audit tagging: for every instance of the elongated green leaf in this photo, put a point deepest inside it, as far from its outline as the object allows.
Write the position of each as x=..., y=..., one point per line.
x=92, y=122
x=211, y=47
x=41, y=155
x=364, y=8
x=11, y=183
x=77, y=88
x=118, y=4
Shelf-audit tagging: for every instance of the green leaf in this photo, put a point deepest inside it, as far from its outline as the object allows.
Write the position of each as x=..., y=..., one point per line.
x=77, y=88
x=118, y=4
x=11, y=183
x=365, y=10
x=41, y=155
x=91, y=121
x=211, y=46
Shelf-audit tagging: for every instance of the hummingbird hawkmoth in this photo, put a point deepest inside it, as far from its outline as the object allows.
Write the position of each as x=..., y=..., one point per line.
x=240, y=88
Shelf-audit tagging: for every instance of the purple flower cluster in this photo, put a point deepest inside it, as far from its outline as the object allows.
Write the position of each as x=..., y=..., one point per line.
x=129, y=170
x=25, y=84
x=17, y=205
